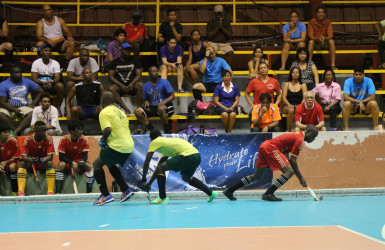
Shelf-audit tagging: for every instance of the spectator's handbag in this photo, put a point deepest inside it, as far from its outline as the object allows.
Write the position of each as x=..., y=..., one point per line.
x=190, y=130
x=202, y=108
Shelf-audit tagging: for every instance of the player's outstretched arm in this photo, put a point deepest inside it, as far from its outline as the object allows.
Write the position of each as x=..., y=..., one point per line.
x=294, y=165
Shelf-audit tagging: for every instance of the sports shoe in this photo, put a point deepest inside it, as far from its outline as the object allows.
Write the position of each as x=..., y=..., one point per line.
x=159, y=200
x=127, y=195
x=270, y=197
x=212, y=196
x=21, y=193
x=229, y=195
x=104, y=199
x=50, y=193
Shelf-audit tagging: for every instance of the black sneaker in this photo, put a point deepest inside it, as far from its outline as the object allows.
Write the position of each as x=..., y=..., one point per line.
x=229, y=195
x=270, y=197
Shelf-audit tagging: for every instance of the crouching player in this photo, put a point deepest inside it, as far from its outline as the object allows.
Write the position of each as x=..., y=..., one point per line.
x=37, y=152
x=73, y=153
x=185, y=158
x=9, y=155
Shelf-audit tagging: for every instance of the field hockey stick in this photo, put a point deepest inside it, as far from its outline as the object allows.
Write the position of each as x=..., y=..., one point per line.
x=315, y=197
x=37, y=180
x=73, y=180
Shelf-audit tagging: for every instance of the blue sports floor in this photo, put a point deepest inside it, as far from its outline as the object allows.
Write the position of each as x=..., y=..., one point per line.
x=362, y=214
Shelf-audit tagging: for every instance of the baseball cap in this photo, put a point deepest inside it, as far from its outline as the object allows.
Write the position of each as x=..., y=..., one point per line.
x=126, y=46
x=136, y=13
x=218, y=8
x=46, y=45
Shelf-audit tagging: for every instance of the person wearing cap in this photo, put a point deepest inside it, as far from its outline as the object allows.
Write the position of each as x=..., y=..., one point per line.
x=14, y=93
x=135, y=32
x=114, y=47
x=76, y=66
x=125, y=75
x=46, y=72
x=170, y=28
x=50, y=30
x=219, y=33
x=359, y=98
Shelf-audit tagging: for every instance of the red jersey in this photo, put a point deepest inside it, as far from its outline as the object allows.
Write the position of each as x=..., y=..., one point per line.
x=287, y=143
x=73, y=150
x=258, y=87
x=38, y=149
x=135, y=32
x=307, y=116
x=10, y=149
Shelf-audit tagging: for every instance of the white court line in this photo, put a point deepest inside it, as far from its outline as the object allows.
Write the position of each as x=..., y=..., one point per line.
x=66, y=244
x=104, y=225
x=189, y=208
x=361, y=234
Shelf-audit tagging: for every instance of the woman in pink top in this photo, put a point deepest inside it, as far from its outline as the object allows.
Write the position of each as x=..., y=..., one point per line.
x=329, y=94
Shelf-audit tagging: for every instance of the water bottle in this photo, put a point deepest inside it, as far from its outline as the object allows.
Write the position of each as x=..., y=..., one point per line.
x=202, y=129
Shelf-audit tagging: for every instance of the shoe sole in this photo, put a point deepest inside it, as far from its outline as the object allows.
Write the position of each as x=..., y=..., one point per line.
x=108, y=201
x=127, y=197
x=232, y=198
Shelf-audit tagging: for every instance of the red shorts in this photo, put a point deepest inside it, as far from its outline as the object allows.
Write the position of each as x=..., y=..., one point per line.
x=270, y=156
x=67, y=170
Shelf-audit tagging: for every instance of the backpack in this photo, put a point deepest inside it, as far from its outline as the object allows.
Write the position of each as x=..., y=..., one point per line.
x=197, y=107
x=190, y=130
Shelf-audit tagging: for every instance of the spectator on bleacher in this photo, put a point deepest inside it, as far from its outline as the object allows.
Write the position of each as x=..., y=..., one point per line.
x=76, y=66
x=329, y=94
x=158, y=95
x=359, y=98
x=114, y=47
x=73, y=153
x=50, y=30
x=263, y=84
x=293, y=94
x=253, y=64
x=170, y=28
x=48, y=114
x=37, y=149
x=46, y=72
x=196, y=53
x=5, y=45
x=10, y=154
x=88, y=95
x=14, y=93
x=294, y=37
x=265, y=115
x=320, y=33
x=172, y=61
x=136, y=32
x=211, y=67
x=309, y=112
x=226, y=97
x=125, y=75
x=383, y=121
x=381, y=42
x=219, y=33
x=308, y=68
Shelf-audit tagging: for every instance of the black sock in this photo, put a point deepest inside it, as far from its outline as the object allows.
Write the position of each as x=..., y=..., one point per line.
x=89, y=181
x=100, y=178
x=115, y=172
x=161, y=186
x=149, y=126
x=278, y=183
x=199, y=185
x=243, y=182
x=14, y=182
x=59, y=179
x=166, y=128
x=197, y=94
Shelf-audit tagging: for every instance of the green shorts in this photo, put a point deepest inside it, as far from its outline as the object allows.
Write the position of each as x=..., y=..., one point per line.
x=185, y=164
x=111, y=157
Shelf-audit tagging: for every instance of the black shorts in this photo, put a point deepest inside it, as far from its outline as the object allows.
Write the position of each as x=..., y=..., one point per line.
x=357, y=109
x=185, y=164
x=50, y=90
x=153, y=111
x=131, y=92
x=111, y=157
x=210, y=86
x=58, y=47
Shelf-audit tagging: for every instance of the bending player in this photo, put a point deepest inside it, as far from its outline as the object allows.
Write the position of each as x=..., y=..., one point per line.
x=37, y=150
x=9, y=153
x=271, y=154
x=73, y=153
x=117, y=145
x=185, y=158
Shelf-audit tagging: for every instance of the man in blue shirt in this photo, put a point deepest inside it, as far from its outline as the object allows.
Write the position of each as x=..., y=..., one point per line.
x=211, y=68
x=359, y=97
x=158, y=95
x=14, y=99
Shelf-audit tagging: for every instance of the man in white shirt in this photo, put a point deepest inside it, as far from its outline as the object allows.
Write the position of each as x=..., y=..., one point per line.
x=46, y=72
x=76, y=66
x=46, y=113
